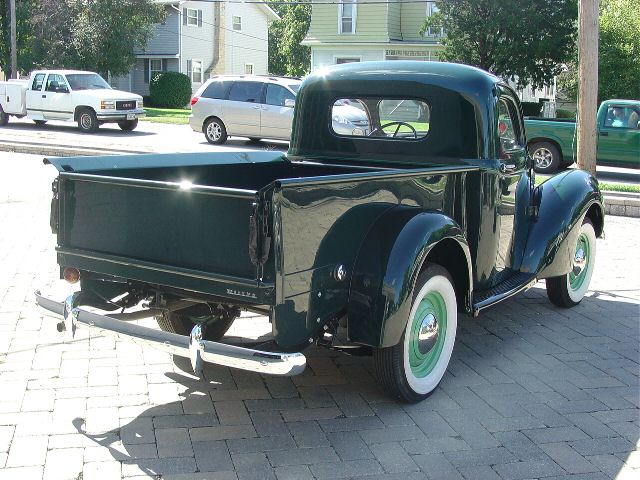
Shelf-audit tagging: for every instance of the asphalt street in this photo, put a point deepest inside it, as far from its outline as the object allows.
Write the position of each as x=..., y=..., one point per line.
x=148, y=137
x=532, y=391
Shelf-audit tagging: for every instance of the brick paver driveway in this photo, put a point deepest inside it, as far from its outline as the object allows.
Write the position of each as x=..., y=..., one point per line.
x=531, y=392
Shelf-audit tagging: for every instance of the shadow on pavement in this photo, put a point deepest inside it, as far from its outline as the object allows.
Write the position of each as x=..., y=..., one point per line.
x=548, y=388
x=110, y=129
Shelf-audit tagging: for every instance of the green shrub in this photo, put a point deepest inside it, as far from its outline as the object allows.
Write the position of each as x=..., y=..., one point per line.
x=148, y=102
x=170, y=90
x=531, y=109
x=562, y=113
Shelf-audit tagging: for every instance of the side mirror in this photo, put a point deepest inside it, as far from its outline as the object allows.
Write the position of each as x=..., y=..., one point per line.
x=289, y=103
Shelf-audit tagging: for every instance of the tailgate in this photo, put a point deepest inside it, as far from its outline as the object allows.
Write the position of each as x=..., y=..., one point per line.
x=175, y=234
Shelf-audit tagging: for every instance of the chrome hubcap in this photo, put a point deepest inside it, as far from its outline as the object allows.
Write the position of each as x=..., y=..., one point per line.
x=428, y=335
x=85, y=120
x=579, y=261
x=214, y=131
x=542, y=157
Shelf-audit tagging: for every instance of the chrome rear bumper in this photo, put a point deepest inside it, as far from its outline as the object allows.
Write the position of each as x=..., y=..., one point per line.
x=192, y=347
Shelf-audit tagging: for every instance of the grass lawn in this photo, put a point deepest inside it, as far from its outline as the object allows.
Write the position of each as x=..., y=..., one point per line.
x=604, y=186
x=178, y=116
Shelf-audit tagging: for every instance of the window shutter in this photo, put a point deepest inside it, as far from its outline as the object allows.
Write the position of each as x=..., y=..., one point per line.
x=184, y=16
x=164, y=64
x=189, y=70
x=146, y=70
x=199, y=18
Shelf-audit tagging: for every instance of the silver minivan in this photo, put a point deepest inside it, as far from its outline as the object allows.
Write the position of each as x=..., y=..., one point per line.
x=259, y=107
x=246, y=106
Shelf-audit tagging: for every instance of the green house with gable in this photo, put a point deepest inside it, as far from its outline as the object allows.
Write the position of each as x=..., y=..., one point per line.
x=352, y=31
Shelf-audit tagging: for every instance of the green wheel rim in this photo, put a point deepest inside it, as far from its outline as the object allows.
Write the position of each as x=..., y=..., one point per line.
x=422, y=364
x=576, y=281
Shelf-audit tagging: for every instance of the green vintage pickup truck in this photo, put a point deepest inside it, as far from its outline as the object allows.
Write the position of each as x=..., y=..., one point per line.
x=553, y=144
x=371, y=240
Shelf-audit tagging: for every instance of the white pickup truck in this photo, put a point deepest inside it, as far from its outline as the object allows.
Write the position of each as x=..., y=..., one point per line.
x=83, y=97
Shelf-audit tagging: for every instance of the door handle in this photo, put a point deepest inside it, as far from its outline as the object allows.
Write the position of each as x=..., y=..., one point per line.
x=44, y=96
x=504, y=168
x=604, y=134
x=256, y=107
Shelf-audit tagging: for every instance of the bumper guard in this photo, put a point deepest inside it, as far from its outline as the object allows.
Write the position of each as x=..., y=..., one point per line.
x=193, y=347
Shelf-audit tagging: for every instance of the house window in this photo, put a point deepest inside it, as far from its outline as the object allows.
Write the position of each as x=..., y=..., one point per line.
x=341, y=60
x=195, y=71
x=237, y=23
x=433, y=31
x=347, y=16
x=192, y=17
x=248, y=68
x=155, y=67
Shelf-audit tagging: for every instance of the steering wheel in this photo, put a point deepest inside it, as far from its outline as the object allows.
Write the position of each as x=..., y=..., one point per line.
x=395, y=134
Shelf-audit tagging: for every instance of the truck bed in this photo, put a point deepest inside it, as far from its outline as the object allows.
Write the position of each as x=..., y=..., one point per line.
x=175, y=223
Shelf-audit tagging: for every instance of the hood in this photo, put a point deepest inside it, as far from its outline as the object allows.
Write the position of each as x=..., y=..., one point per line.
x=105, y=94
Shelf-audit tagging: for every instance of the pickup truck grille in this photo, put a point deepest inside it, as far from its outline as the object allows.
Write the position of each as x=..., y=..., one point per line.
x=128, y=105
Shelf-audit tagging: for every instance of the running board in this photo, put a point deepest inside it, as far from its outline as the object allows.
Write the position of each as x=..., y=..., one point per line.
x=511, y=286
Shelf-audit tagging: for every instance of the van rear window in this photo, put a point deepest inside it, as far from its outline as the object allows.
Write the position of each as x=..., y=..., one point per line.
x=218, y=90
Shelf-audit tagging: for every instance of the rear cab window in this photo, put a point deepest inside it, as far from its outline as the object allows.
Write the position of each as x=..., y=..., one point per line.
x=382, y=118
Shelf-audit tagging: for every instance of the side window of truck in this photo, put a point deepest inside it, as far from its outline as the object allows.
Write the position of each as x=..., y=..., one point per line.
x=56, y=83
x=620, y=116
x=508, y=127
x=38, y=80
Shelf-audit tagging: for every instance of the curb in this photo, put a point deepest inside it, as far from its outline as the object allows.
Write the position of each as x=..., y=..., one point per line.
x=61, y=150
x=624, y=205
x=615, y=203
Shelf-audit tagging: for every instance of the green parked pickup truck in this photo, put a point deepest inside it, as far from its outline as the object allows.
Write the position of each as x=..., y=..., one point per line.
x=358, y=241
x=552, y=142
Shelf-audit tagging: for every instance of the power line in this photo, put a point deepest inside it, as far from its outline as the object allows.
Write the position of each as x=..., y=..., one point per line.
x=225, y=28
x=207, y=40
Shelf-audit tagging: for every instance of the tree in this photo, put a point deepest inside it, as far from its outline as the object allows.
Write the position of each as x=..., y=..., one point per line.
x=286, y=55
x=89, y=35
x=24, y=35
x=523, y=40
x=619, y=53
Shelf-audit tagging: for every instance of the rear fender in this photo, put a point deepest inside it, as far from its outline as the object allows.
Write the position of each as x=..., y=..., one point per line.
x=388, y=264
x=563, y=201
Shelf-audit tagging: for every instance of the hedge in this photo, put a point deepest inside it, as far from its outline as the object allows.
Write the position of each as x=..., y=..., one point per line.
x=170, y=90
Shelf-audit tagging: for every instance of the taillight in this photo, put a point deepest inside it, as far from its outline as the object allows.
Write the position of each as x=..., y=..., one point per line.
x=71, y=274
x=194, y=100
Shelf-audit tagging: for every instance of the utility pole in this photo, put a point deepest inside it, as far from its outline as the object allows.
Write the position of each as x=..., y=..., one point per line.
x=14, y=52
x=588, y=12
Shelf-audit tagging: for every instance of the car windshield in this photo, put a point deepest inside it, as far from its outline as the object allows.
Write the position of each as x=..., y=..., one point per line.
x=294, y=87
x=87, y=81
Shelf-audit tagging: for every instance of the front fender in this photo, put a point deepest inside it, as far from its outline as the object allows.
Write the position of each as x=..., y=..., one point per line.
x=388, y=264
x=562, y=201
